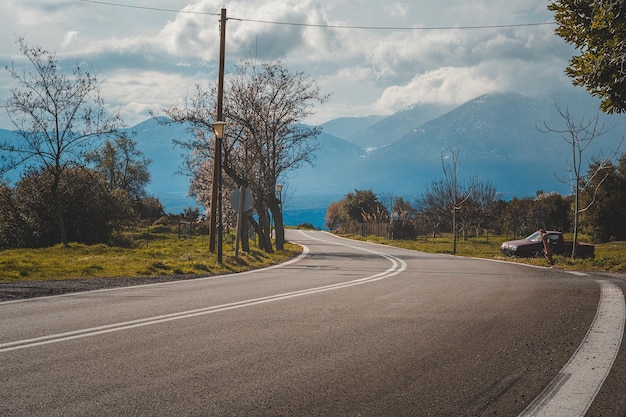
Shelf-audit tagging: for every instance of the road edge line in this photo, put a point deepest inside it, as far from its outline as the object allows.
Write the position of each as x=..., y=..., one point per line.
x=575, y=387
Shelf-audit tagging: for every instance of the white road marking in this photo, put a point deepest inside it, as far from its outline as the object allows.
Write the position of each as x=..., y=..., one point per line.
x=398, y=265
x=573, y=390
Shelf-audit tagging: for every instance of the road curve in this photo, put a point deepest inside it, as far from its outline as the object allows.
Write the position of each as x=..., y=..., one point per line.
x=348, y=329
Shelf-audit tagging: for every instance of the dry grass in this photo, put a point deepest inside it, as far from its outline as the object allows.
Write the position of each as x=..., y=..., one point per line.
x=154, y=255
x=609, y=257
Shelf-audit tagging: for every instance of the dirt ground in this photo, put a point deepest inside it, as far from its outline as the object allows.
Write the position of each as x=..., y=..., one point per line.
x=30, y=289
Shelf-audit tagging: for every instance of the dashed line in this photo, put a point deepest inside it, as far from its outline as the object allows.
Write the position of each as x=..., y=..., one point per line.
x=572, y=391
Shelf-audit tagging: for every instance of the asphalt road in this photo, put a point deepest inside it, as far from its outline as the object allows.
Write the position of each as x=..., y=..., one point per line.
x=349, y=329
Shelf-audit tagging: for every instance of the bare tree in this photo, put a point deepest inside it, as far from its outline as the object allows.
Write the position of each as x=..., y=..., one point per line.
x=265, y=107
x=57, y=117
x=479, y=206
x=579, y=135
x=446, y=196
x=434, y=203
x=268, y=105
x=458, y=197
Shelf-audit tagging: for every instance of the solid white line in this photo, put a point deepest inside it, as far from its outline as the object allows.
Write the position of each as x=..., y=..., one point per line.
x=397, y=266
x=573, y=390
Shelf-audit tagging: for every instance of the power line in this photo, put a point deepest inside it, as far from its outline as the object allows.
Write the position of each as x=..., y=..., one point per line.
x=157, y=9
x=396, y=27
x=325, y=26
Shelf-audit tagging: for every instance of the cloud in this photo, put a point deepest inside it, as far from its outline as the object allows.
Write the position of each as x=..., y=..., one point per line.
x=149, y=58
x=447, y=85
x=69, y=37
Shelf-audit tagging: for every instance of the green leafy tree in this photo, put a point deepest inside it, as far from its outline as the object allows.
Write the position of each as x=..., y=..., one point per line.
x=14, y=231
x=403, y=224
x=362, y=206
x=333, y=217
x=58, y=117
x=521, y=217
x=518, y=218
x=597, y=29
x=123, y=166
x=605, y=219
x=553, y=211
x=149, y=209
x=92, y=213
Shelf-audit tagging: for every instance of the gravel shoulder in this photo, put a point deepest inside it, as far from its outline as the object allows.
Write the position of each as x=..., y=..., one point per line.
x=31, y=289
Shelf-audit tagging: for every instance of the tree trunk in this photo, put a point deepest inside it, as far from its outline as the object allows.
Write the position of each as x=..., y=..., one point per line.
x=264, y=231
x=454, y=228
x=279, y=226
x=58, y=208
x=576, y=214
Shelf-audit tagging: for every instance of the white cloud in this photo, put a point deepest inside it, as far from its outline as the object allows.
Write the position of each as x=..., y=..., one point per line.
x=443, y=86
x=148, y=58
x=69, y=37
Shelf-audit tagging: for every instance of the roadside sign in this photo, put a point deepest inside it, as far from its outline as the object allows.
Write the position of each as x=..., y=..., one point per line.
x=246, y=204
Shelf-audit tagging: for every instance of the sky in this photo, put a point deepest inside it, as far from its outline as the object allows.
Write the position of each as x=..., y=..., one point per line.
x=371, y=56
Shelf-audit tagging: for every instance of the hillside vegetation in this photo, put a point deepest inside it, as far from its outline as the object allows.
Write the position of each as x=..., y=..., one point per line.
x=609, y=257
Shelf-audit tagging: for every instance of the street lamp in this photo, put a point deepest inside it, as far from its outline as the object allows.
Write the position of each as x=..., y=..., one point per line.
x=218, y=129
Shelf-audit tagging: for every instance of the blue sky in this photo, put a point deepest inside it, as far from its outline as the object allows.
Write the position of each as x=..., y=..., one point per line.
x=148, y=59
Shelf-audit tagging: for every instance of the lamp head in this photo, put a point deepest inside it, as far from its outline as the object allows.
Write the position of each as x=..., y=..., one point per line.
x=218, y=129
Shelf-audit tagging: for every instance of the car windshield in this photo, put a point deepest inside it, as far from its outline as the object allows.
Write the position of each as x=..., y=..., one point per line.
x=535, y=237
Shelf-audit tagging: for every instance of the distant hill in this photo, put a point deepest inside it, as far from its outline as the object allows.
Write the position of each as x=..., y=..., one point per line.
x=156, y=139
x=496, y=135
x=345, y=127
x=499, y=139
x=394, y=127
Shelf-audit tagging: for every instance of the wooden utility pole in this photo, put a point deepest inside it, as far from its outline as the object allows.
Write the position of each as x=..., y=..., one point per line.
x=216, y=195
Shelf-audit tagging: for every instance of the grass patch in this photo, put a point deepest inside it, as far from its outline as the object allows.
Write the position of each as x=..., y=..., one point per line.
x=609, y=257
x=160, y=255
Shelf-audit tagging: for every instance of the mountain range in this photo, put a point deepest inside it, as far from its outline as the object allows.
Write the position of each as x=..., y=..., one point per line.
x=499, y=137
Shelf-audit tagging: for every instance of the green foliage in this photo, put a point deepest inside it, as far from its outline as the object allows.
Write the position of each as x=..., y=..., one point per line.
x=122, y=165
x=149, y=209
x=403, y=224
x=362, y=206
x=597, y=29
x=91, y=213
x=58, y=117
x=521, y=217
x=605, y=217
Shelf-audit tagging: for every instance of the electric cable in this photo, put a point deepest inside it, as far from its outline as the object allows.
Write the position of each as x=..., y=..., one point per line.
x=326, y=26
